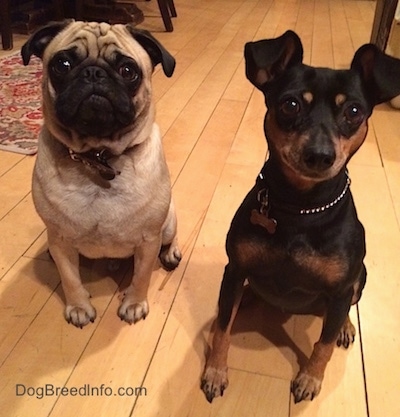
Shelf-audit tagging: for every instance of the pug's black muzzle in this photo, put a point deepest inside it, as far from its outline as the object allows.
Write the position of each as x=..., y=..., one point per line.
x=94, y=104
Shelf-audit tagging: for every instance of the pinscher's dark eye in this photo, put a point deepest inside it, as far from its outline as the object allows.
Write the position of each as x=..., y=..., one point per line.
x=353, y=114
x=129, y=72
x=290, y=107
x=61, y=65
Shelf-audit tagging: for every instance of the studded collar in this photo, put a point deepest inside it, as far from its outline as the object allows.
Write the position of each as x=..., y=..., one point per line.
x=263, y=198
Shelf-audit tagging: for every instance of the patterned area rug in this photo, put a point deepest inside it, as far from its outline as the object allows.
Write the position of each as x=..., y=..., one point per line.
x=20, y=112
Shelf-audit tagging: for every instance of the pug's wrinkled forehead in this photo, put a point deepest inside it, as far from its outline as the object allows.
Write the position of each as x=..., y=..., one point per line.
x=98, y=41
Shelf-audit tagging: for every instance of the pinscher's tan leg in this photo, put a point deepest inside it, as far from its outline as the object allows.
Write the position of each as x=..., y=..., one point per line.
x=215, y=377
x=308, y=381
x=134, y=306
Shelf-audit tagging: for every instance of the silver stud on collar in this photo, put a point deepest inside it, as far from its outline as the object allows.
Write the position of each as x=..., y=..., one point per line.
x=332, y=203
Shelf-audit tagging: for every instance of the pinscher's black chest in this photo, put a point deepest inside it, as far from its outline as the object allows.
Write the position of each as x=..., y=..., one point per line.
x=315, y=251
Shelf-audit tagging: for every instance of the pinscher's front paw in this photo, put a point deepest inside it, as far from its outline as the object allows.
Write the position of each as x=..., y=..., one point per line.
x=132, y=312
x=347, y=335
x=80, y=315
x=214, y=382
x=305, y=387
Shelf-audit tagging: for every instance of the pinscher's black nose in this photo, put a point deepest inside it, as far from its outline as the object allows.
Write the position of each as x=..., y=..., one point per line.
x=319, y=158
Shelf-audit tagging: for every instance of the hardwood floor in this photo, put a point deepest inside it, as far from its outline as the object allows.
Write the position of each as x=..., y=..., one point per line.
x=211, y=118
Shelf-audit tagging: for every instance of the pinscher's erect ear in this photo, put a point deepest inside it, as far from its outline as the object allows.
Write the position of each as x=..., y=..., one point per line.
x=157, y=52
x=380, y=73
x=268, y=58
x=39, y=41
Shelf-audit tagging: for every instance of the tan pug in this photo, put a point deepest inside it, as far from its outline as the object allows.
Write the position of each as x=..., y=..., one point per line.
x=100, y=183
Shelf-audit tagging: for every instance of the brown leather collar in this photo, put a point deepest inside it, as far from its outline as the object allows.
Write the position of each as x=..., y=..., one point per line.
x=97, y=159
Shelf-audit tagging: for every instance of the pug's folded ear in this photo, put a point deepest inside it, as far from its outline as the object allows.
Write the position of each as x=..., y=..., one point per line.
x=157, y=53
x=39, y=41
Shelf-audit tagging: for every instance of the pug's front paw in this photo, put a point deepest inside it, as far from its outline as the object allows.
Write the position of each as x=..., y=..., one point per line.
x=132, y=312
x=80, y=315
x=170, y=256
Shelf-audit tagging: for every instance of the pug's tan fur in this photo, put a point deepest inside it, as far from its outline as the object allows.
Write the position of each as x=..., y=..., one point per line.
x=133, y=214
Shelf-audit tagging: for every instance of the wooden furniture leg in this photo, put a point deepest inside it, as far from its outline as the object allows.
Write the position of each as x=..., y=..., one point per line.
x=5, y=22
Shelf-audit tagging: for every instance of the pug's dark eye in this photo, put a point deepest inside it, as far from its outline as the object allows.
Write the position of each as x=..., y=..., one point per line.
x=353, y=114
x=62, y=65
x=290, y=107
x=128, y=72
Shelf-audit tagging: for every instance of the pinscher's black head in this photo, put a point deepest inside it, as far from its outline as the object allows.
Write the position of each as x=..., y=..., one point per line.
x=317, y=117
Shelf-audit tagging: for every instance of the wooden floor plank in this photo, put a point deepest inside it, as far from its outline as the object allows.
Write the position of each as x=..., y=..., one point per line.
x=18, y=175
x=381, y=344
x=23, y=290
x=203, y=29
x=172, y=103
x=343, y=50
x=8, y=160
x=385, y=122
x=50, y=348
x=18, y=230
x=360, y=27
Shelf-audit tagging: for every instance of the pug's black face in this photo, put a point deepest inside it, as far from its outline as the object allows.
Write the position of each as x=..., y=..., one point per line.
x=96, y=85
x=93, y=96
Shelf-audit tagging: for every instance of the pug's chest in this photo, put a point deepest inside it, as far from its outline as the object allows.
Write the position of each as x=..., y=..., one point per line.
x=102, y=222
x=98, y=216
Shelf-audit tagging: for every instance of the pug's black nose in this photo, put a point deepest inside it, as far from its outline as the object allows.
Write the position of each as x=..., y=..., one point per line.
x=319, y=159
x=94, y=74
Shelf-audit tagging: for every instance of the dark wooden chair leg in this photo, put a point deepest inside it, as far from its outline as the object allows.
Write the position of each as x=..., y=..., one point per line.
x=166, y=17
x=5, y=21
x=171, y=7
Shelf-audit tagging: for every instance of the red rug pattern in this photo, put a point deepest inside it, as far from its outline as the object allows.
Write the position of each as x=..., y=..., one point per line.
x=20, y=104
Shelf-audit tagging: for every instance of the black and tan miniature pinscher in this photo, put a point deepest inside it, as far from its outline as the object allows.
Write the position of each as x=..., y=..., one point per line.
x=296, y=237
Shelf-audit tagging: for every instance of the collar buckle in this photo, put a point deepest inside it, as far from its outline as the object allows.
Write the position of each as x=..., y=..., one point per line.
x=96, y=159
